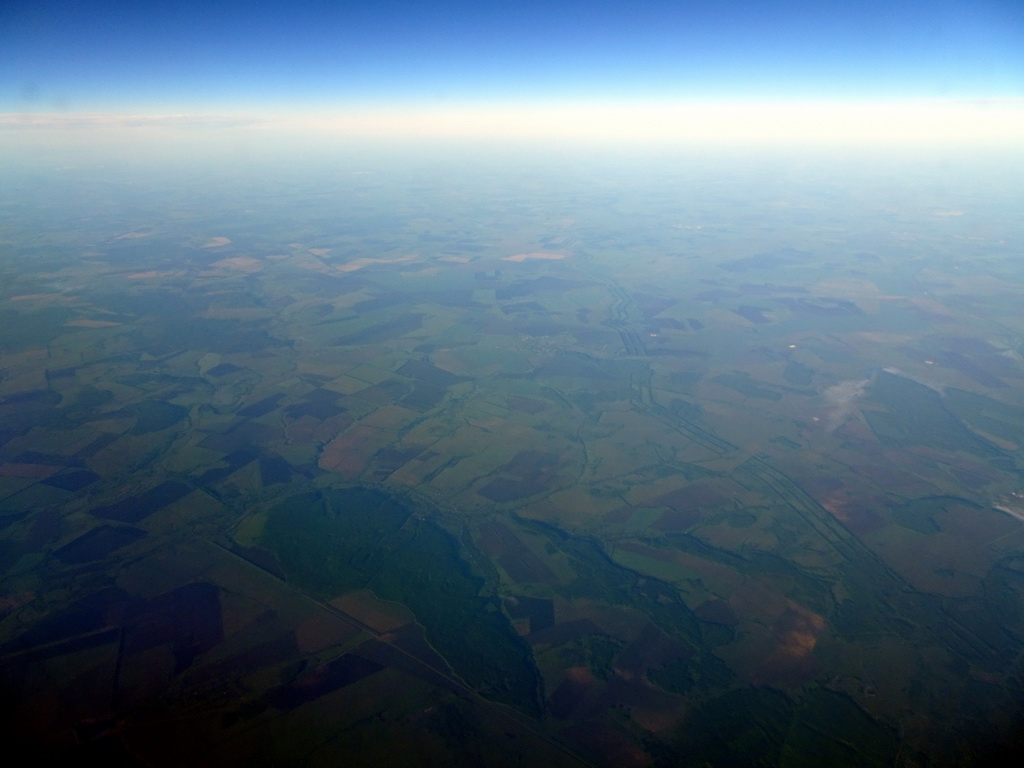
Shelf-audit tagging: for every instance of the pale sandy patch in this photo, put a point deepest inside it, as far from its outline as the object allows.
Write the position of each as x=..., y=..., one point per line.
x=319, y=251
x=1006, y=445
x=133, y=235
x=796, y=634
x=1012, y=511
x=239, y=263
x=345, y=384
x=932, y=306
x=216, y=242
x=315, y=266
x=86, y=323
x=46, y=297
x=841, y=399
x=446, y=360
x=352, y=266
x=456, y=259
x=547, y=255
x=947, y=214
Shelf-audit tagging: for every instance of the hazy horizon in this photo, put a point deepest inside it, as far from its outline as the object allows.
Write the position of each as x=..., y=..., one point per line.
x=731, y=72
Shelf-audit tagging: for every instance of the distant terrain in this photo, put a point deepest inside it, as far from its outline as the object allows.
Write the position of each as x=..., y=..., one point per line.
x=583, y=461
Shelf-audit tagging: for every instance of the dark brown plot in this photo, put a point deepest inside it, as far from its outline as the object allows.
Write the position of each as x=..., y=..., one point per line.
x=75, y=480
x=326, y=678
x=703, y=493
x=605, y=743
x=219, y=371
x=518, y=560
x=619, y=515
x=136, y=508
x=528, y=473
x=677, y=519
x=390, y=459
x=320, y=404
x=96, y=446
x=98, y=544
x=716, y=611
x=270, y=652
x=411, y=639
x=187, y=618
x=526, y=404
x=505, y=489
x=384, y=393
x=539, y=611
x=651, y=649
x=532, y=464
x=52, y=459
x=575, y=696
x=822, y=307
x=646, y=551
x=261, y=407
x=44, y=530
x=424, y=396
x=389, y=656
x=261, y=558
x=563, y=632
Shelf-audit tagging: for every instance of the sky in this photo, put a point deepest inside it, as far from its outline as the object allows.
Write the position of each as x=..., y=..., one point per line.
x=426, y=65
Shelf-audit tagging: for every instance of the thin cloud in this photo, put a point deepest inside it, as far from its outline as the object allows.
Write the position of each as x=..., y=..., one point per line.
x=85, y=121
x=917, y=122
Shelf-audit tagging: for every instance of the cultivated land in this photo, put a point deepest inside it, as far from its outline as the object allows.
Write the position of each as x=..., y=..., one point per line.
x=638, y=464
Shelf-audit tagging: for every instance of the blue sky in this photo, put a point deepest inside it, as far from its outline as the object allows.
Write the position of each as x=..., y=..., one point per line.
x=195, y=57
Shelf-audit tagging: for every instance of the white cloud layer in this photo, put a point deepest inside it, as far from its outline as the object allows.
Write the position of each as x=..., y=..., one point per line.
x=918, y=122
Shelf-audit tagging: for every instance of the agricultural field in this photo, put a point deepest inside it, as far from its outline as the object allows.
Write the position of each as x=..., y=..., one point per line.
x=637, y=461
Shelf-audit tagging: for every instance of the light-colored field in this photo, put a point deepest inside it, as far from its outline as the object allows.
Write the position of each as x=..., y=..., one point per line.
x=543, y=255
x=358, y=264
x=245, y=264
